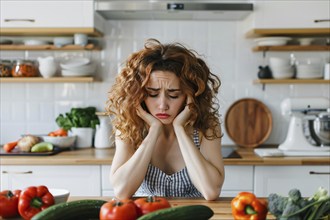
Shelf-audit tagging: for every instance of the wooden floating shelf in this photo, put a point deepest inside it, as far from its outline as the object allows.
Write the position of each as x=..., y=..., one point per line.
x=292, y=48
x=291, y=81
x=46, y=80
x=294, y=32
x=48, y=47
x=93, y=32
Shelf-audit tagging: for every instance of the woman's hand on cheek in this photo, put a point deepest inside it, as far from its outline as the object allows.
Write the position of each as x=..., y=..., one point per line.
x=182, y=118
x=148, y=118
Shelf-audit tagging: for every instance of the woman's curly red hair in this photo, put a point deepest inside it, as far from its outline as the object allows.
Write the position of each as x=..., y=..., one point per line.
x=196, y=81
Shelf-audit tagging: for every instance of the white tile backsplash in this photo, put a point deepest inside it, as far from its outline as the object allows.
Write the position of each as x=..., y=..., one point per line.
x=33, y=107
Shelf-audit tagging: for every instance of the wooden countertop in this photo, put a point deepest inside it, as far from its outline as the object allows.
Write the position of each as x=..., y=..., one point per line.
x=92, y=156
x=220, y=207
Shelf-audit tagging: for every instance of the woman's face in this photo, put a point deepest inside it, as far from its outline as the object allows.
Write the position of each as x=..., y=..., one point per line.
x=165, y=98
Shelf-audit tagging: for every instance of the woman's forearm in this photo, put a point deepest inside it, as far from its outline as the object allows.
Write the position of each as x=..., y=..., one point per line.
x=127, y=178
x=206, y=177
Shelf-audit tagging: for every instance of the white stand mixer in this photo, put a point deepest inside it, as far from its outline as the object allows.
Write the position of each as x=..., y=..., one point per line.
x=296, y=143
x=295, y=107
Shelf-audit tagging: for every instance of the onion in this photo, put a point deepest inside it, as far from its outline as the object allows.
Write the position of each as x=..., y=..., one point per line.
x=27, y=142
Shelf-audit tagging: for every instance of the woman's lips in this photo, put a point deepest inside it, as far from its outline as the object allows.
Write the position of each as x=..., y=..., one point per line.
x=162, y=116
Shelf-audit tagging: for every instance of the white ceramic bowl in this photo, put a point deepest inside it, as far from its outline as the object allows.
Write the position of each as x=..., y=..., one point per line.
x=60, y=195
x=61, y=142
x=307, y=76
x=33, y=42
x=84, y=69
x=279, y=61
x=272, y=41
x=62, y=41
x=282, y=68
x=309, y=61
x=283, y=72
x=70, y=73
x=281, y=75
x=305, y=41
x=74, y=62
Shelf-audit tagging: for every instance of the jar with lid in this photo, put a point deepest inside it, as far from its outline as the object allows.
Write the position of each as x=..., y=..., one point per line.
x=24, y=68
x=5, y=68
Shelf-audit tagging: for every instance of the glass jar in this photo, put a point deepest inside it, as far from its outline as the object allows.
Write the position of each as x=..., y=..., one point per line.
x=5, y=68
x=24, y=68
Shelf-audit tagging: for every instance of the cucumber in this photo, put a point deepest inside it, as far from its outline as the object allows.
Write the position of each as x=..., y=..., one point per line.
x=80, y=209
x=196, y=212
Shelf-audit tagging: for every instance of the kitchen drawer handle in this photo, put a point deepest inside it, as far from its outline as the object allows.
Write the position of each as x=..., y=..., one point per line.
x=319, y=173
x=16, y=172
x=321, y=20
x=14, y=20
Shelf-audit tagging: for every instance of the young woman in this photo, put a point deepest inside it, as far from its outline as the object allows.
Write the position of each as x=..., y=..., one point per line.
x=165, y=114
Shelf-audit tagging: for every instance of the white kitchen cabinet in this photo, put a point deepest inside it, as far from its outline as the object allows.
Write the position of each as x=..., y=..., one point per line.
x=49, y=14
x=107, y=189
x=80, y=180
x=280, y=179
x=237, y=179
x=289, y=14
x=41, y=14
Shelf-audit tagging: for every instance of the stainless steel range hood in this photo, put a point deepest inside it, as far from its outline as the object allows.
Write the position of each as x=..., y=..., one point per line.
x=169, y=10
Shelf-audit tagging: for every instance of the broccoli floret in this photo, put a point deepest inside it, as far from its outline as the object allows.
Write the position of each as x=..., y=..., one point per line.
x=277, y=204
x=295, y=207
x=295, y=195
x=291, y=208
x=282, y=206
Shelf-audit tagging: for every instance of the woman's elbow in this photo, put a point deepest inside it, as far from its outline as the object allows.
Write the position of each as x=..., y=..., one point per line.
x=211, y=195
x=122, y=194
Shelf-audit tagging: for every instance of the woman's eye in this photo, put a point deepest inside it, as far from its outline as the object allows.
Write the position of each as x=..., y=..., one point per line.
x=173, y=96
x=152, y=95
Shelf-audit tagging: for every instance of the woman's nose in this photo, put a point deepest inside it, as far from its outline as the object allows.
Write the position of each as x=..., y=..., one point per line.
x=163, y=105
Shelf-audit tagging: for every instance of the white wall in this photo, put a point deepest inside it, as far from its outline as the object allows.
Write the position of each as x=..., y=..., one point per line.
x=33, y=107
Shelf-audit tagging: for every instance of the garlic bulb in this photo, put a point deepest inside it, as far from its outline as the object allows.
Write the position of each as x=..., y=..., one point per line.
x=27, y=142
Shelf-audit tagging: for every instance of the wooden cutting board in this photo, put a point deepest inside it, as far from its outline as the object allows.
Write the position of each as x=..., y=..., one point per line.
x=248, y=122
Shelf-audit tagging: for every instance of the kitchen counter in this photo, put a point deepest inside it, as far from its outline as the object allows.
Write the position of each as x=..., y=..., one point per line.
x=92, y=156
x=220, y=207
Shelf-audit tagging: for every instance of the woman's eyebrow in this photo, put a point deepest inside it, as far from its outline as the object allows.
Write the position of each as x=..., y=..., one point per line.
x=157, y=89
x=174, y=90
x=153, y=89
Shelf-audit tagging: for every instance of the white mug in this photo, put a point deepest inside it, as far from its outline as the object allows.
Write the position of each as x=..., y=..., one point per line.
x=80, y=39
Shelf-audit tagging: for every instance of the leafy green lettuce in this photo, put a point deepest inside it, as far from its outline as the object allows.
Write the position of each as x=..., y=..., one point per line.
x=78, y=117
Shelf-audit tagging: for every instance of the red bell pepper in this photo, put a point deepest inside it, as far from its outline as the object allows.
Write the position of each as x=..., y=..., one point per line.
x=246, y=206
x=33, y=200
x=9, y=203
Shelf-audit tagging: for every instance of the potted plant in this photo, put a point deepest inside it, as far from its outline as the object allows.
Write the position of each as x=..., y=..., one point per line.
x=82, y=123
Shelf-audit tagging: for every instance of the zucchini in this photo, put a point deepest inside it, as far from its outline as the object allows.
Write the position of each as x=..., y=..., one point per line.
x=196, y=212
x=80, y=209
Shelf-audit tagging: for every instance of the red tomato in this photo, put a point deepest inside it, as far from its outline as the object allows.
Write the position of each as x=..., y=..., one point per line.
x=150, y=204
x=9, y=203
x=118, y=210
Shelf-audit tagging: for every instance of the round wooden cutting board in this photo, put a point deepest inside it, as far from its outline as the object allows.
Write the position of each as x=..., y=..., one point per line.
x=248, y=122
